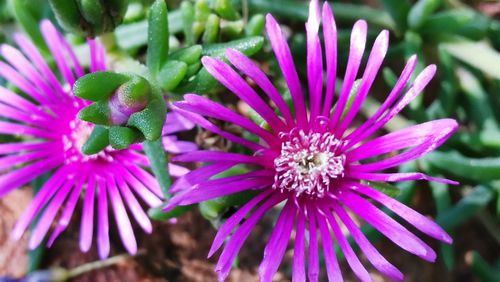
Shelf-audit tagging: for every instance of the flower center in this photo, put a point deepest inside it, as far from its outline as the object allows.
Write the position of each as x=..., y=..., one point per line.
x=308, y=163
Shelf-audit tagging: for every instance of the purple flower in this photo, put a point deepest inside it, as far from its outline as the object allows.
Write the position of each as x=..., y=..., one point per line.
x=308, y=163
x=49, y=137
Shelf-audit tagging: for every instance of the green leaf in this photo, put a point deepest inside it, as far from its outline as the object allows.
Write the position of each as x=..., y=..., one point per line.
x=187, y=11
x=158, y=214
x=468, y=168
x=203, y=82
x=398, y=9
x=384, y=187
x=420, y=11
x=29, y=22
x=98, y=140
x=477, y=54
x=211, y=29
x=171, y=74
x=120, y=137
x=158, y=160
x=255, y=25
x=247, y=46
x=464, y=22
x=157, y=37
x=483, y=270
x=98, y=85
x=225, y=10
x=189, y=55
x=467, y=207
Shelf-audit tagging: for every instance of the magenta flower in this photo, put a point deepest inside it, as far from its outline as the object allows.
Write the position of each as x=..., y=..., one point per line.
x=50, y=136
x=308, y=163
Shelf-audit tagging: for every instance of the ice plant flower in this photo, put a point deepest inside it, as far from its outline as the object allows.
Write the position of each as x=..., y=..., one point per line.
x=308, y=163
x=48, y=135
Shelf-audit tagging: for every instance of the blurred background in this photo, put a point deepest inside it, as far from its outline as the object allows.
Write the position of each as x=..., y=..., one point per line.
x=461, y=37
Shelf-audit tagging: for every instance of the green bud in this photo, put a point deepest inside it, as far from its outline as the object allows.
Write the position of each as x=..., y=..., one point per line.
x=201, y=10
x=150, y=120
x=97, y=113
x=89, y=17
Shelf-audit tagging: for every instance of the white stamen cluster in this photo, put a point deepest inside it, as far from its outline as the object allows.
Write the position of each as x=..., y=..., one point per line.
x=308, y=163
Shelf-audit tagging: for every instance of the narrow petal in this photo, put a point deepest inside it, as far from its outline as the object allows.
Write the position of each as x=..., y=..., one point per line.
x=234, y=244
x=277, y=243
x=207, y=191
x=313, y=263
x=330, y=38
x=331, y=263
x=375, y=60
x=7, y=148
x=16, y=101
x=174, y=146
x=48, y=215
x=69, y=207
x=152, y=199
x=204, y=123
x=11, y=75
x=353, y=261
x=9, y=128
x=20, y=177
x=133, y=205
x=375, y=258
x=228, y=226
x=176, y=122
x=299, y=262
x=358, y=41
x=419, y=221
x=146, y=178
x=103, y=246
x=397, y=177
x=417, y=87
x=214, y=156
x=10, y=161
x=285, y=61
x=34, y=55
x=122, y=221
x=387, y=226
x=314, y=59
x=247, y=67
x=44, y=194
x=199, y=175
x=421, y=139
x=403, y=79
x=205, y=107
x=87, y=224
x=177, y=170
x=233, y=81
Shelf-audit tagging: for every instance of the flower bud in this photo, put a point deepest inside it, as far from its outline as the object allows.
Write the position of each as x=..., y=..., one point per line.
x=89, y=17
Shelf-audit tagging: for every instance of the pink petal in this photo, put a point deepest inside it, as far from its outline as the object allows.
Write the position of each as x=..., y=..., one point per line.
x=299, y=263
x=87, y=223
x=314, y=59
x=387, y=226
x=331, y=263
x=233, y=81
x=278, y=241
x=199, y=175
x=330, y=35
x=403, y=79
x=313, y=266
x=285, y=61
x=235, y=219
x=397, y=177
x=247, y=67
x=234, y=244
x=375, y=60
x=375, y=258
x=421, y=138
x=103, y=246
x=358, y=41
x=419, y=221
x=353, y=261
x=133, y=205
